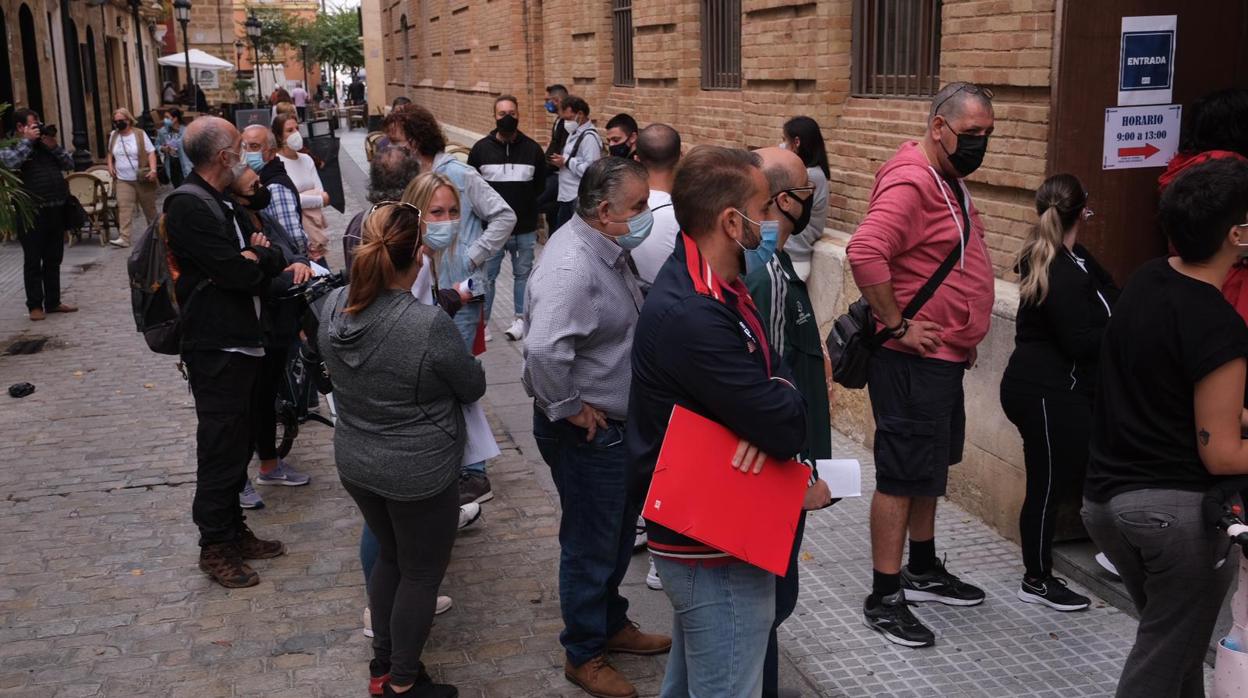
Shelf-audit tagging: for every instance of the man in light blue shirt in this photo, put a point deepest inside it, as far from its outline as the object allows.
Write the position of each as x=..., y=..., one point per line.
x=582, y=148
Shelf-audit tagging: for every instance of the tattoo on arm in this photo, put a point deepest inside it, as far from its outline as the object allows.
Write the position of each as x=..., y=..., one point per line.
x=1204, y=436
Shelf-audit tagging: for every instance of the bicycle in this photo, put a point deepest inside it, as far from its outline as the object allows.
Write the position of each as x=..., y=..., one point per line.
x=305, y=373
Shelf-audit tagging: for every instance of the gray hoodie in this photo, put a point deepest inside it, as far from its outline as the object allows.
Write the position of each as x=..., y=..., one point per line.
x=401, y=374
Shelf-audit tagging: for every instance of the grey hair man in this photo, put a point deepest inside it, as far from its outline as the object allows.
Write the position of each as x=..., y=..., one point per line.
x=582, y=306
x=224, y=270
x=259, y=149
x=388, y=175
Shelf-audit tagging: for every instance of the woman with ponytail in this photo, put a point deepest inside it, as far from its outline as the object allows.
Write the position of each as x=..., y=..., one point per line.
x=401, y=374
x=1065, y=301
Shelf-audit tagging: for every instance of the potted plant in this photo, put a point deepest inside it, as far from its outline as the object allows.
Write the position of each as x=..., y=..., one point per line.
x=16, y=207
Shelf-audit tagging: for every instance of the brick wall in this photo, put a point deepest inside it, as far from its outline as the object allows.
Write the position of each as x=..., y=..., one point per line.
x=795, y=60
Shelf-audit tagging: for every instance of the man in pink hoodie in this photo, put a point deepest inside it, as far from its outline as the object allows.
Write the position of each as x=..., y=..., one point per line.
x=921, y=215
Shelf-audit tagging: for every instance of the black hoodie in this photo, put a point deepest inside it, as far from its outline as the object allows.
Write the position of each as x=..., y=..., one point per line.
x=516, y=170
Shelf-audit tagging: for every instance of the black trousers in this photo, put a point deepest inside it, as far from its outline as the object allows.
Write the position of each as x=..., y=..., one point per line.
x=786, y=601
x=43, y=248
x=176, y=176
x=1055, y=453
x=566, y=209
x=264, y=401
x=415, y=540
x=548, y=202
x=223, y=384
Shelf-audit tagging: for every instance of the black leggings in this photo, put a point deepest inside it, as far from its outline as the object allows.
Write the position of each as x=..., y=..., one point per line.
x=264, y=401
x=1055, y=451
x=415, y=539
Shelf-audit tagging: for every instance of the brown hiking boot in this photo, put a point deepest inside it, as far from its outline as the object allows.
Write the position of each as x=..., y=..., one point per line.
x=599, y=679
x=630, y=640
x=37, y=314
x=252, y=548
x=64, y=308
x=222, y=562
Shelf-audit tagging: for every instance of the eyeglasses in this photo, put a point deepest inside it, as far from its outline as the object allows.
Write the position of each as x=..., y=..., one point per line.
x=985, y=92
x=1242, y=225
x=253, y=147
x=401, y=204
x=808, y=189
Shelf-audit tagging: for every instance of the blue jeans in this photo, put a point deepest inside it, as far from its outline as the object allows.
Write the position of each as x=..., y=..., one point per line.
x=595, y=532
x=466, y=322
x=520, y=246
x=723, y=615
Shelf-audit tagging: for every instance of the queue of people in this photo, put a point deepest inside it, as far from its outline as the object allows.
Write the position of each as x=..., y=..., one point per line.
x=690, y=273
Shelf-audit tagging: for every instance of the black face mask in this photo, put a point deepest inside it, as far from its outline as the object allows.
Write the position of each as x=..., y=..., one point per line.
x=120, y=125
x=619, y=150
x=803, y=219
x=260, y=200
x=969, y=153
x=507, y=124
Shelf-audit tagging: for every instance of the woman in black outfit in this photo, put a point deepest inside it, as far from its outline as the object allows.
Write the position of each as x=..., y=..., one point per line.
x=1065, y=302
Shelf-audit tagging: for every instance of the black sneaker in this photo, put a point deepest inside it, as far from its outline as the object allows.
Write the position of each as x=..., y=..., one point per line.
x=474, y=488
x=939, y=585
x=1052, y=592
x=893, y=619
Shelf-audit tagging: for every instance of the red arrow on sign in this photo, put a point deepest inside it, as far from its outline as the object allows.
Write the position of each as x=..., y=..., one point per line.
x=1146, y=151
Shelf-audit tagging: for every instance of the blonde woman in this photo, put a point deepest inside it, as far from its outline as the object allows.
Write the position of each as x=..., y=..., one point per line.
x=303, y=173
x=1065, y=302
x=132, y=163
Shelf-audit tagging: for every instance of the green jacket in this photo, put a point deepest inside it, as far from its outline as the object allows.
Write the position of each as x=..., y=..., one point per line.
x=789, y=321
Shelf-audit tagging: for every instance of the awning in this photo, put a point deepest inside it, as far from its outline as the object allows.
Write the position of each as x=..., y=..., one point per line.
x=199, y=59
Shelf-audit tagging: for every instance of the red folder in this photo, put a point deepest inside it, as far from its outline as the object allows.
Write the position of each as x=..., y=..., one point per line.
x=696, y=492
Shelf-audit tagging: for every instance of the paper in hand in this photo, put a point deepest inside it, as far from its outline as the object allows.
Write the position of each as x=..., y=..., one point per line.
x=844, y=477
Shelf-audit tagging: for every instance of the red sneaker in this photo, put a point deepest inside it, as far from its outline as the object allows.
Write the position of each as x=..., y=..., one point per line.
x=377, y=684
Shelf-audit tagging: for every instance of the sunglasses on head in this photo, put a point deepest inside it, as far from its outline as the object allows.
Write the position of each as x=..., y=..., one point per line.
x=986, y=92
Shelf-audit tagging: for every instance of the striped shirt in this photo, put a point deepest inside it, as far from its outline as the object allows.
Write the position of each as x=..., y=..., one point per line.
x=582, y=304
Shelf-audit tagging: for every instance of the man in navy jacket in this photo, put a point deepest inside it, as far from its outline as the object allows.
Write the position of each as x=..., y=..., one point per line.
x=700, y=344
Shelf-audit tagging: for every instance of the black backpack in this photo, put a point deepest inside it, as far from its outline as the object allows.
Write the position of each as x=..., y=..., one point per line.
x=152, y=297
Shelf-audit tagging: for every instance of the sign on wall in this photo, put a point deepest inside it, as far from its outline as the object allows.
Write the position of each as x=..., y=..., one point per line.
x=207, y=79
x=1146, y=60
x=1141, y=136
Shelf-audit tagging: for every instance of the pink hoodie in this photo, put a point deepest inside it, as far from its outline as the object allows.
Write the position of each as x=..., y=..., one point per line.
x=911, y=225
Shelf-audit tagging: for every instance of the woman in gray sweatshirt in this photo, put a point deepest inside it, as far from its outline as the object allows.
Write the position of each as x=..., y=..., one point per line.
x=401, y=374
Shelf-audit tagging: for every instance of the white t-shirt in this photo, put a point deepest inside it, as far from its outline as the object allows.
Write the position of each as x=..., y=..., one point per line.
x=299, y=96
x=653, y=252
x=126, y=155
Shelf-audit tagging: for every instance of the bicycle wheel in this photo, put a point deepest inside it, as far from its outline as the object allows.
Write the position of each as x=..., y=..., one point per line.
x=287, y=429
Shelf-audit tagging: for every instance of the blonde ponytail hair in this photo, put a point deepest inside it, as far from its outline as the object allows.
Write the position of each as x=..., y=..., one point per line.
x=1059, y=201
x=390, y=244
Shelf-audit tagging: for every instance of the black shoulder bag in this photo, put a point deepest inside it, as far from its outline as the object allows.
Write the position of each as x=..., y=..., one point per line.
x=853, y=338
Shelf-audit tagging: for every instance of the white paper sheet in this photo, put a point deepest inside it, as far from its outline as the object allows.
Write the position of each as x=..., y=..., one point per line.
x=844, y=477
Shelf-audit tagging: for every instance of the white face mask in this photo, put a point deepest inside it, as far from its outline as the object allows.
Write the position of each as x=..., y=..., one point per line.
x=570, y=126
x=294, y=141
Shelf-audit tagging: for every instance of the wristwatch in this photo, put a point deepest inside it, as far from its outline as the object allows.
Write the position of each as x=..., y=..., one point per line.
x=899, y=331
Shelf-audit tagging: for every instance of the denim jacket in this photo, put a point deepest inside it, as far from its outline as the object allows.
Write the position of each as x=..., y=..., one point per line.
x=485, y=223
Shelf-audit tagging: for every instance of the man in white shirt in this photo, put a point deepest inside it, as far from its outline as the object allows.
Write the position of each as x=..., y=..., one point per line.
x=658, y=150
x=299, y=97
x=582, y=148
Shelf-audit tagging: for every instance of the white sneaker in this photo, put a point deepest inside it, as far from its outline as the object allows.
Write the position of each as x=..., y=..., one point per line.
x=468, y=514
x=652, y=577
x=368, y=622
x=516, y=331
x=489, y=336
x=1109, y=566
x=444, y=604
x=639, y=537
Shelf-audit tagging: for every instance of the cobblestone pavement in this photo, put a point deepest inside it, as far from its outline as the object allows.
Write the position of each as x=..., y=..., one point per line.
x=99, y=593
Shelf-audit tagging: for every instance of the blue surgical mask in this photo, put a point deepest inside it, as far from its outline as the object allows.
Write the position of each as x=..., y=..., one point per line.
x=550, y=107
x=761, y=255
x=639, y=227
x=440, y=234
x=254, y=160
x=168, y=122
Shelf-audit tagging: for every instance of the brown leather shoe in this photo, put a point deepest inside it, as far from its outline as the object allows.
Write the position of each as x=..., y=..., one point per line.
x=630, y=640
x=64, y=308
x=252, y=548
x=37, y=314
x=599, y=679
x=222, y=562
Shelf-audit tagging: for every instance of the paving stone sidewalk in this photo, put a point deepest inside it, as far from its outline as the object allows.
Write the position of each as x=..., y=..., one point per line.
x=100, y=596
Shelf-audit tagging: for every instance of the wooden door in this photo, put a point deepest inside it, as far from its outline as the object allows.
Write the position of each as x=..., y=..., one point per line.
x=1209, y=54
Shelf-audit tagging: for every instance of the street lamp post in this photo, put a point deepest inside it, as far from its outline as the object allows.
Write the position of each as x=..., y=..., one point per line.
x=77, y=100
x=145, y=119
x=182, y=12
x=304, y=47
x=254, y=31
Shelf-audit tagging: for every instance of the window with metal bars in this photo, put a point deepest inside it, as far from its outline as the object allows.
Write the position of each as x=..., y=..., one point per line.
x=622, y=51
x=896, y=48
x=721, y=44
